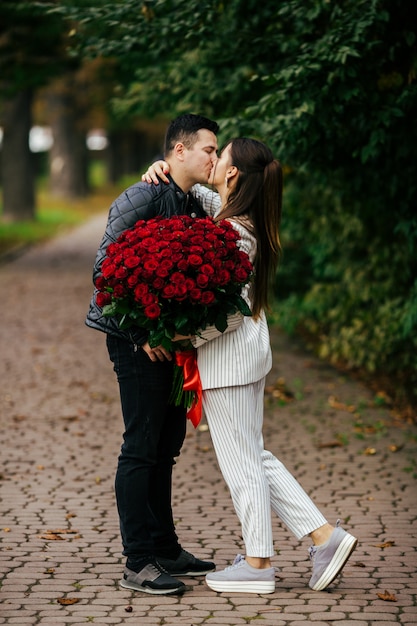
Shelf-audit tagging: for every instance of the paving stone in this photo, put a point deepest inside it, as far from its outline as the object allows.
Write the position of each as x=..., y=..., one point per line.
x=60, y=435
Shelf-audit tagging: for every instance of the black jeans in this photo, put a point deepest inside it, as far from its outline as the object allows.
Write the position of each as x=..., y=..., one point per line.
x=154, y=434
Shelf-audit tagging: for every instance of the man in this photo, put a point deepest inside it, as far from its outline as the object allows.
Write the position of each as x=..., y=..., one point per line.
x=154, y=430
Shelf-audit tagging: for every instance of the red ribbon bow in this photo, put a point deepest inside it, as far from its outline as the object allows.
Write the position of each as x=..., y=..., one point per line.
x=187, y=359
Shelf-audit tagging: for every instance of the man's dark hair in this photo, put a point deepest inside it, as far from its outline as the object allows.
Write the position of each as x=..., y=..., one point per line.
x=184, y=129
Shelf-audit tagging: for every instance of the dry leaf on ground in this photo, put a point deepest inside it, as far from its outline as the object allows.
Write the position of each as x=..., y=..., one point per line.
x=387, y=596
x=330, y=444
x=385, y=544
x=67, y=601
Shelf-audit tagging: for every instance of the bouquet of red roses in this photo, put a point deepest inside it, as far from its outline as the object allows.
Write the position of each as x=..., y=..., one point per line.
x=173, y=276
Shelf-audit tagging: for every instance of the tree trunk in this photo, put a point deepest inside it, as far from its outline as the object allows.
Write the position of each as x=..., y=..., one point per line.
x=18, y=176
x=129, y=151
x=68, y=155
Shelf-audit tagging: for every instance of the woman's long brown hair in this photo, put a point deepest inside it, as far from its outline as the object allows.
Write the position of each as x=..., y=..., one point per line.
x=258, y=196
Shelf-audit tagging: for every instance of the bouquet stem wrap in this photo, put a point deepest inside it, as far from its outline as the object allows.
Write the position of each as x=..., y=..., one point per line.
x=187, y=360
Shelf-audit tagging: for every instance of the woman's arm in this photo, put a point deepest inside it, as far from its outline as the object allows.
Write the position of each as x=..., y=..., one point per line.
x=233, y=323
x=155, y=172
x=210, y=200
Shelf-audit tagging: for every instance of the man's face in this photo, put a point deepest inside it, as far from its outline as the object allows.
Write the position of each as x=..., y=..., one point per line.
x=199, y=159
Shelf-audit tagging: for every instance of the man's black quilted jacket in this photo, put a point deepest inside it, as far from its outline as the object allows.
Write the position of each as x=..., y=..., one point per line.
x=140, y=201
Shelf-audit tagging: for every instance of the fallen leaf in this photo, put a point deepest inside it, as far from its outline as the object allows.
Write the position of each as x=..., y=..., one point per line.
x=387, y=596
x=51, y=537
x=359, y=564
x=19, y=418
x=369, y=451
x=386, y=544
x=67, y=601
x=330, y=444
x=55, y=535
x=6, y=530
x=394, y=448
x=280, y=390
x=335, y=404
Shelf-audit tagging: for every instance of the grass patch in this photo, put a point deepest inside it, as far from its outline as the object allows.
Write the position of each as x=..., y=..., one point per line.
x=55, y=215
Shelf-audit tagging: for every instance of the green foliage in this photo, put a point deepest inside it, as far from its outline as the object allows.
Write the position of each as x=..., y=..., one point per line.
x=331, y=87
x=32, y=45
x=352, y=292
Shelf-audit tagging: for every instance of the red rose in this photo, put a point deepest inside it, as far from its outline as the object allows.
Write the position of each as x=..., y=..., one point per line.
x=207, y=297
x=100, y=283
x=169, y=291
x=151, y=265
x=189, y=283
x=139, y=291
x=103, y=298
x=206, y=269
x=202, y=280
x=132, y=280
x=230, y=235
x=158, y=283
x=197, y=240
x=148, y=299
x=178, y=277
x=108, y=270
x=162, y=272
x=112, y=248
x=183, y=265
x=119, y=291
x=209, y=256
x=196, y=250
x=152, y=311
x=132, y=261
x=121, y=273
x=195, y=294
x=223, y=277
x=195, y=260
x=241, y=275
x=180, y=291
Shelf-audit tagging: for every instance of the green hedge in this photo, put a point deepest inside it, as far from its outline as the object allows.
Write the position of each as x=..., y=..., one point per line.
x=351, y=290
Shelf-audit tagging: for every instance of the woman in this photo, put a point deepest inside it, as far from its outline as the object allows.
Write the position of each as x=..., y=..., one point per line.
x=233, y=367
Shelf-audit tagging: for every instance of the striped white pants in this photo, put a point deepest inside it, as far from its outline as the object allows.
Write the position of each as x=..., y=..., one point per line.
x=256, y=479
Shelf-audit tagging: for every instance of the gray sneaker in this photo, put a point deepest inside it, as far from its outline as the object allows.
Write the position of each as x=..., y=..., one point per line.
x=242, y=577
x=151, y=579
x=330, y=558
